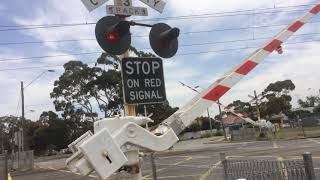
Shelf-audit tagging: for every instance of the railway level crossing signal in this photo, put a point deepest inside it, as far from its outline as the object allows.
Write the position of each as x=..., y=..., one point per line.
x=114, y=37
x=113, y=33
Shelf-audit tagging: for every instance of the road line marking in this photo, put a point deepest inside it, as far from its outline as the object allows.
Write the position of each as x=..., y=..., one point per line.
x=188, y=158
x=169, y=157
x=147, y=176
x=274, y=144
x=235, y=156
x=206, y=174
x=314, y=141
x=94, y=176
x=169, y=177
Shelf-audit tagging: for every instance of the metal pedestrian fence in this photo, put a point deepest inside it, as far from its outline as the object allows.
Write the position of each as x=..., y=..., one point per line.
x=3, y=167
x=268, y=169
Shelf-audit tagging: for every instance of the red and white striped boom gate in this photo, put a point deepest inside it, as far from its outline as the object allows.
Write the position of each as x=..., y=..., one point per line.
x=187, y=114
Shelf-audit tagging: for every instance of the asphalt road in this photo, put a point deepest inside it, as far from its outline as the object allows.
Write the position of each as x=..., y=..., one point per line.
x=196, y=159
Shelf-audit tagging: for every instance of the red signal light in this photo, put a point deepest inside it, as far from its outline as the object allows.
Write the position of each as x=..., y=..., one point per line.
x=113, y=37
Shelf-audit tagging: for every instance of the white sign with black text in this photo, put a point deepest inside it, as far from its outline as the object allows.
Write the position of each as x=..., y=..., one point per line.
x=123, y=2
x=127, y=10
x=157, y=5
x=143, y=81
x=93, y=4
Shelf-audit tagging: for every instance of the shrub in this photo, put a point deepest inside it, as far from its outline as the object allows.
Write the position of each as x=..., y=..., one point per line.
x=218, y=133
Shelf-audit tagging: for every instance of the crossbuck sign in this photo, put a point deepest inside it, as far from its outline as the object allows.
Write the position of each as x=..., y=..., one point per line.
x=122, y=5
x=143, y=80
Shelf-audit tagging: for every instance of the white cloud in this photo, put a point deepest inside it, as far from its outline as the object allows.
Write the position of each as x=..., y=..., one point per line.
x=2, y=7
x=56, y=12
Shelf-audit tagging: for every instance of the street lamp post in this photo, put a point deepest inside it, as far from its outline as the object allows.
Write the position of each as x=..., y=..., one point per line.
x=195, y=90
x=23, y=140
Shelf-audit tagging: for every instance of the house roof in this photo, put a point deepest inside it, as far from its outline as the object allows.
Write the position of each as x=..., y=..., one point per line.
x=231, y=119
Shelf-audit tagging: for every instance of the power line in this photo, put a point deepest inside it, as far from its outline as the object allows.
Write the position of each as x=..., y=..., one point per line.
x=183, y=33
x=183, y=45
x=226, y=15
x=241, y=40
x=194, y=16
x=169, y=17
x=231, y=12
x=32, y=67
x=36, y=105
x=181, y=54
x=50, y=56
x=235, y=49
x=32, y=81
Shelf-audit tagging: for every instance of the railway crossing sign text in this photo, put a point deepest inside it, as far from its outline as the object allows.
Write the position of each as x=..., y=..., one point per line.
x=143, y=80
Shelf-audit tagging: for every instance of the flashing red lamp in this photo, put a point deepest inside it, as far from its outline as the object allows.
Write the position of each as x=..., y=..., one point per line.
x=113, y=35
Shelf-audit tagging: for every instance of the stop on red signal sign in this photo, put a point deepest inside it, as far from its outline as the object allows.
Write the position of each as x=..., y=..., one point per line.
x=143, y=80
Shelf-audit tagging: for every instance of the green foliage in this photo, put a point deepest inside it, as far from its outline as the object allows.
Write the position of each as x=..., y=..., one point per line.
x=53, y=133
x=262, y=135
x=243, y=108
x=277, y=97
x=160, y=111
x=280, y=87
x=275, y=105
x=218, y=133
x=80, y=87
x=207, y=135
x=194, y=127
x=205, y=124
x=311, y=101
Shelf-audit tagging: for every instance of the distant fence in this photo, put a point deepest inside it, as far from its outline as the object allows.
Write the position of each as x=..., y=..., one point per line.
x=3, y=167
x=268, y=169
x=21, y=161
x=243, y=134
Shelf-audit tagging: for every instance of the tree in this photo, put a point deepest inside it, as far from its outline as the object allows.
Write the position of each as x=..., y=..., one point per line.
x=53, y=133
x=279, y=88
x=82, y=88
x=278, y=98
x=9, y=125
x=205, y=124
x=242, y=107
x=160, y=111
x=311, y=101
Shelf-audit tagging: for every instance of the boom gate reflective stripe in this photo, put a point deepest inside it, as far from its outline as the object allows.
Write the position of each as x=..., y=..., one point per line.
x=315, y=10
x=229, y=80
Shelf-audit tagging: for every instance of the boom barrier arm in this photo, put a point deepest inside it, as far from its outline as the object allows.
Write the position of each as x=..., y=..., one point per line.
x=187, y=114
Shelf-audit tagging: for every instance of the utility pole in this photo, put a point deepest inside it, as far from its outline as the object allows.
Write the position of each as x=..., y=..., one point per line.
x=221, y=121
x=22, y=118
x=255, y=99
x=257, y=105
x=2, y=141
x=210, y=123
x=23, y=140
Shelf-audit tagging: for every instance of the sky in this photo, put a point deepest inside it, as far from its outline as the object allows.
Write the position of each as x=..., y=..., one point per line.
x=215, y=37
